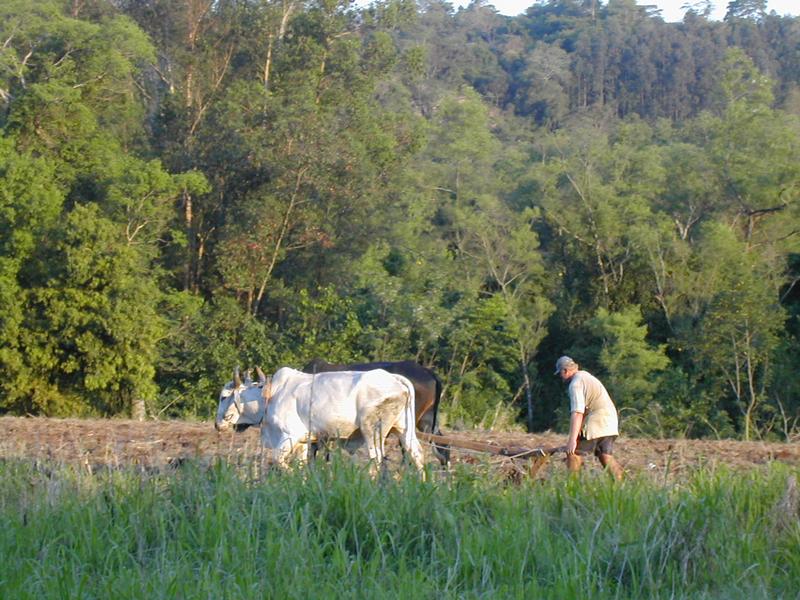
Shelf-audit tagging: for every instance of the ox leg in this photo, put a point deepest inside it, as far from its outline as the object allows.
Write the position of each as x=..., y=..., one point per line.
x=376, y=426
x=413, y=447
x=281, y=454
x=371, y=432
x=287, y=452
x=440, y=451
x=406, y=429
x=300, y=453
x=314, y=449
x=377, y=450
x=410, y=443
x=426, y=424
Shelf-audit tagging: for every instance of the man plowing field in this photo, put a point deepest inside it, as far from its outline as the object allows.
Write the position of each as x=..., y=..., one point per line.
x=593, y=422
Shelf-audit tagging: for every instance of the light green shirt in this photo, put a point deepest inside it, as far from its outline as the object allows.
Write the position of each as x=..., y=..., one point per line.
x=588, y=395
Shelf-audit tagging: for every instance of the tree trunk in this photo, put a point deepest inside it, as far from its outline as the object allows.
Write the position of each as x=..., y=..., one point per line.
x=191, y=241
x=528, y=395
x=138, y=409
x=288, y=8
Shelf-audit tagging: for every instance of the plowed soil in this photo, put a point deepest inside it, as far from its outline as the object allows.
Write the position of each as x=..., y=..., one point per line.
x=109, y=443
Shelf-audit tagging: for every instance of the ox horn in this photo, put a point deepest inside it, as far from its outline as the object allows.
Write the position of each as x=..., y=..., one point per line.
x=237, y=381
x=262, y=379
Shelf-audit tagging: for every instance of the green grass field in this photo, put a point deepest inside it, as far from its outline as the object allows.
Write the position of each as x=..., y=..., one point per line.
x=332, y=532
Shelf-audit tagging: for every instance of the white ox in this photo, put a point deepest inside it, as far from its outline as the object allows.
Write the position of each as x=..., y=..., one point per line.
x=296, y=409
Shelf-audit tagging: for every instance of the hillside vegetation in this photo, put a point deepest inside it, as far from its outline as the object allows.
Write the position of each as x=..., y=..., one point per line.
x=190, y=185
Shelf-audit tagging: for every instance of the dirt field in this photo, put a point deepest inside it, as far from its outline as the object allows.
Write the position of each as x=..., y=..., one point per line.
x=94, y=444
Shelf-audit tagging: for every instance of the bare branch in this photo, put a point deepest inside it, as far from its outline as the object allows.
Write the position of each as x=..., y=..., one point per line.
x=789, y=290
x=293, y=202
x=131, y=233
x=85, y=83
x=220, y=76
x=7, y=43
x=64, y=57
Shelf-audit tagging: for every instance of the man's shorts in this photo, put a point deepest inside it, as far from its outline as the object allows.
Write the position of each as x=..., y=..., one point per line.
x=597, y=446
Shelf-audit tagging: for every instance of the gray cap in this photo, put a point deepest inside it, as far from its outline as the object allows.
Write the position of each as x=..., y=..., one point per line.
x=563, y=363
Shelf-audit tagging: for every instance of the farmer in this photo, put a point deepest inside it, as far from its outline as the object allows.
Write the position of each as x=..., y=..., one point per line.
x=593, y=425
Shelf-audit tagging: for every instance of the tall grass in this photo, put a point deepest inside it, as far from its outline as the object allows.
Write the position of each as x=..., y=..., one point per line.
x=219, y=532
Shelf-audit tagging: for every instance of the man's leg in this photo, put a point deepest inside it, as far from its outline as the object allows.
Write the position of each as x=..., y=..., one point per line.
x=610, y=463
x=574, y=462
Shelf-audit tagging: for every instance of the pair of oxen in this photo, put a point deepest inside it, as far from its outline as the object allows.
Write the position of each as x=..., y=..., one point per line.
x=297, y=410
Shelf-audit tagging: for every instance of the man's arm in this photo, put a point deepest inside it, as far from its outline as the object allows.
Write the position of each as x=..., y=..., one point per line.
x=575, y=422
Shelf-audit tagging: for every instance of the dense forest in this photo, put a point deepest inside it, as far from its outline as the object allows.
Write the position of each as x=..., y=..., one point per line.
x=190, y=185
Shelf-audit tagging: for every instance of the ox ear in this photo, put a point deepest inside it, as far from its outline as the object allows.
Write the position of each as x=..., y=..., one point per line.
x=237, y=381
x=262, y=379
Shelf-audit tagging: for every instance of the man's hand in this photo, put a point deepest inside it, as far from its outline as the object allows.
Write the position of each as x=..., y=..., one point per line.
x=575, y=422
x=571, y=446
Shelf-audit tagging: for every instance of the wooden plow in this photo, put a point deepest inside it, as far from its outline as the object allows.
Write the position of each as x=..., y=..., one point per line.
x=538, y=457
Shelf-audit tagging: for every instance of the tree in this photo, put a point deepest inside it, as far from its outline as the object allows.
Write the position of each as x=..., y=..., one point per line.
x=703, y=8
x=30, y=203
x=543, y=92
x=740, y=321
x=84, y=335
x=630, y=362
x=69, y=84
x=753, y=150
x=323, y=325
x=92, y=328
x=207, y=341
x=693, y=194
x=505, y=249
x=746, y=9
x=303, y=164
x=595, y=192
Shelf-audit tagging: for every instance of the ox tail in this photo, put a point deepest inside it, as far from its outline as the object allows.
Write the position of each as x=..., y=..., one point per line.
x=441, y=451
x=436, y=398
x=410, y=412
x=412, y=444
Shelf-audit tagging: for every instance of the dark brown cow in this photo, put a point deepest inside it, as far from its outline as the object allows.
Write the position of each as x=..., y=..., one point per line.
x=427, y=391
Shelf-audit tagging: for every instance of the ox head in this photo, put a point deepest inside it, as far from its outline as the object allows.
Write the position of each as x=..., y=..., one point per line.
x=241, y=404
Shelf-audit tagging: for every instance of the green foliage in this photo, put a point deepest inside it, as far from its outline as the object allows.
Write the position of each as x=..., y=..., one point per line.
x=95, y=324
x=66, y=77
x=630, y=362
x=782, y=412
x=402, y=291
x=682, y=407
x=597, y=194
x=746, y=9
x=324, y=325
x=30, y=202
x=209, y=340
x=480, y=349
x=185, y=190
x=740, y=325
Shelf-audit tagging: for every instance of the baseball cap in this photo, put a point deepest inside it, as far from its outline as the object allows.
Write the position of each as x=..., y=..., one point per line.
x=563, y=363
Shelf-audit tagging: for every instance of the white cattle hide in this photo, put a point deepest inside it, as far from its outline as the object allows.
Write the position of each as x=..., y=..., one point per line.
x=295, y=409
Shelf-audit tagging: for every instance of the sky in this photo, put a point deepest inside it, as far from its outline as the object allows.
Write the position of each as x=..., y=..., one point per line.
x=670, y=9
